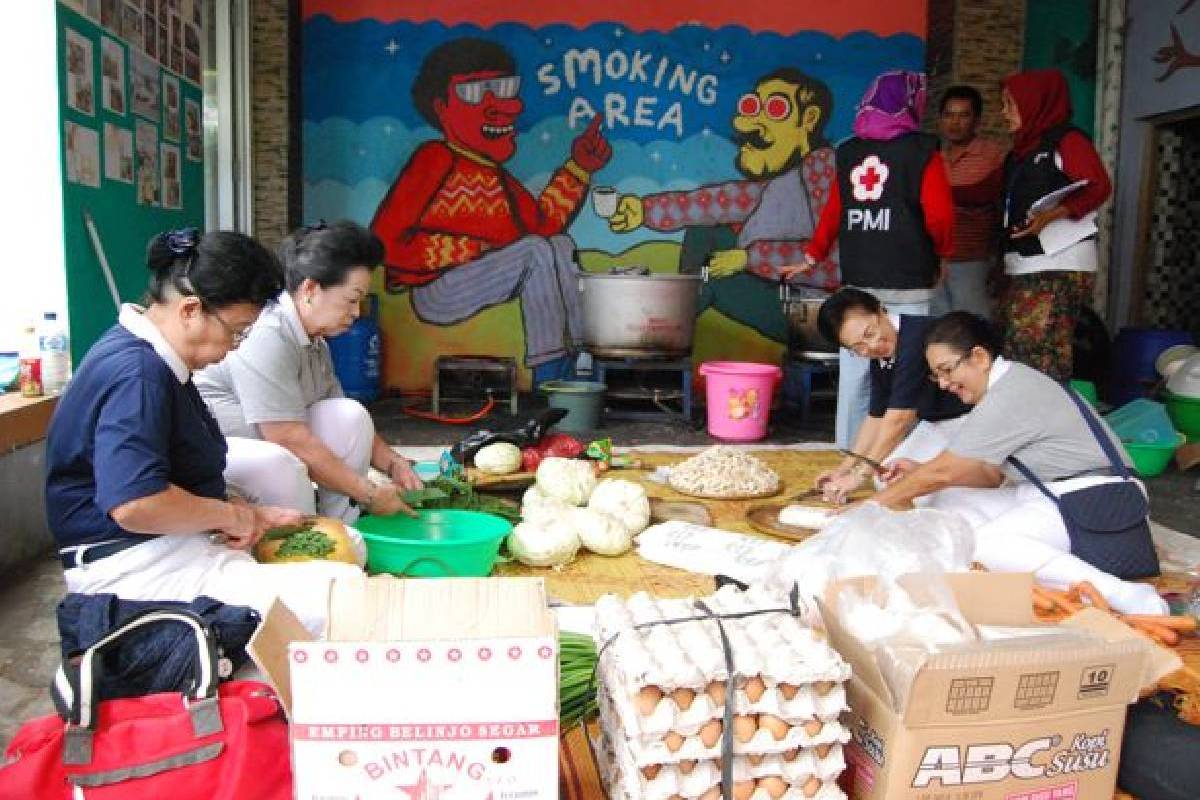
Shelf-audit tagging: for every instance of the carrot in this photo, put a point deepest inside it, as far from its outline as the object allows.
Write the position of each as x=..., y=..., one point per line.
x=1164, y=636
x=1183, y=623
x=1090, y=593
x=1064, y=601
x=1041, y=602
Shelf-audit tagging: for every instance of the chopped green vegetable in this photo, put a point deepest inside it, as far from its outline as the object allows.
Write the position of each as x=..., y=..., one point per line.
x=446, y=492
x=576, y=668
x=284, y=531
x=314, y=544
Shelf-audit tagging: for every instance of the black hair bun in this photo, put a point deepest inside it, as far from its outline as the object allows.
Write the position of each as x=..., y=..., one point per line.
x=168, y=246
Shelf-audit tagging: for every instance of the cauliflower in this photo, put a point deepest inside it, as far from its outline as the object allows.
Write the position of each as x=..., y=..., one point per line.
x=538, y=508
x=625, y=500
x=600, y=532
x=499, y=458
x=567, y=479
x=549, y=544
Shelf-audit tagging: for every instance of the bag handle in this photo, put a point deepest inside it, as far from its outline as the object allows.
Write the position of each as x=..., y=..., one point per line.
x=74, y=687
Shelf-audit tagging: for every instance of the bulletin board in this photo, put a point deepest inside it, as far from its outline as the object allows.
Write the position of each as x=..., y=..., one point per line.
x=131, y=127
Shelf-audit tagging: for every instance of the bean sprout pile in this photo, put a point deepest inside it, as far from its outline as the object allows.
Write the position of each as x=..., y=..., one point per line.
x=722, y=471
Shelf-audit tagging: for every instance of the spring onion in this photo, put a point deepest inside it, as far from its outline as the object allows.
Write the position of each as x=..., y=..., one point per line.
x=577, y=665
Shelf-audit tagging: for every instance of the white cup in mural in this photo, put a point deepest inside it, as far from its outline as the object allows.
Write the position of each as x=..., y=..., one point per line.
x=604, y=200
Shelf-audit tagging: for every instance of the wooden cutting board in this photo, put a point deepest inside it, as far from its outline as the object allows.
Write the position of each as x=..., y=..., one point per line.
x=765, y=519
x=664, y=510
x=514, y=481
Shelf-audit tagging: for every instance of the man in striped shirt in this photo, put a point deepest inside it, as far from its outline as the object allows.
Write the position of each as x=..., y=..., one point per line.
x=976, y=167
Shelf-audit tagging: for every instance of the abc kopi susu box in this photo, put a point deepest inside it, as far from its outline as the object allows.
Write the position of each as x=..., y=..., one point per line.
x=1023, y=719
x=423, y=689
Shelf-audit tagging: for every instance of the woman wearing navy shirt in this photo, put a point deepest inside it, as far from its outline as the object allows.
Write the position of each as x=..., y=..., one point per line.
x=135, y=495
x=908, y=415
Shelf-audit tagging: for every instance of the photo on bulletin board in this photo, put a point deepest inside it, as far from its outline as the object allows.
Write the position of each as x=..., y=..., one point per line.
x=110, y=14
x=83, y=155
x=118, y=153
x=170, y=89
x=191, y=53
x=172, y=181
x=112, y=75
x=146, y=147
x=143, y=77
x=164, y=46
x=176, y=44
x=81, y=80
x=131, y=22
x=197, y=13
x=192, y=127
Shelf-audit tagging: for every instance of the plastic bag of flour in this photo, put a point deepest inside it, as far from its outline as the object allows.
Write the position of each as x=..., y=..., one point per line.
x=872, y=540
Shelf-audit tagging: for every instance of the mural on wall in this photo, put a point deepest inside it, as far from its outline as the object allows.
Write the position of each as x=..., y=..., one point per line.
x=471, y=142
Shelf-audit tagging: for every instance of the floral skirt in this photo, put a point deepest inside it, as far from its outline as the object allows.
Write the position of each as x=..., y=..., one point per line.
x=1039, y=312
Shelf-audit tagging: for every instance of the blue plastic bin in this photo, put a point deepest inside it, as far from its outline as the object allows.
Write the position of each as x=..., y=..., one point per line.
x=1143, y=422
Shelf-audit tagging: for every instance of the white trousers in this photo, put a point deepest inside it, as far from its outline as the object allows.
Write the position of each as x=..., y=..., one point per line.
x=268, y=474
x=183, y=567
x=1018, y=529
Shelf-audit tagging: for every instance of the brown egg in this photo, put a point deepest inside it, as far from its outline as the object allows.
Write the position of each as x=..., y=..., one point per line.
x=755, y=759
x=673, y=741
x=788, y=690
x=650, y=772
x=823, y=750
x=710, y=732
x=774, y=785
x=683, y=698
x=712, y=794
x=742, y=790
x=755, y=688
x=790, y=755
x=813, y=727
x=716, y=692
x=776, y=726
x=647, y=700
x=687, y=766
x=744, y=726
x=812, y=786
x=824, y=687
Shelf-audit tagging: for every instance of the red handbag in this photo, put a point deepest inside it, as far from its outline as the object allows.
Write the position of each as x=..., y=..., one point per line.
x=216, y=742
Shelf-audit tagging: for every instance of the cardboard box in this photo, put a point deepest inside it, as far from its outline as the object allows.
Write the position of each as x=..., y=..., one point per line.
x=1035, y=721
x=422, y=689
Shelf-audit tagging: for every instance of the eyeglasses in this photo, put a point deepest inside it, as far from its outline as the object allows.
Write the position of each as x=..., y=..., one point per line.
x=472, y=92
x=942, y=372
x=236, y=337
x=862, y=347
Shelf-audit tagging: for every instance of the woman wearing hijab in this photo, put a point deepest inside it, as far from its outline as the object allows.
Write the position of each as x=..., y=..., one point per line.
x=1050, y=282
x=891, y=214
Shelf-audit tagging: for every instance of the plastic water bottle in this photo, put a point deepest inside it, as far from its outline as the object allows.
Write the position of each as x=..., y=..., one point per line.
x=54, y=347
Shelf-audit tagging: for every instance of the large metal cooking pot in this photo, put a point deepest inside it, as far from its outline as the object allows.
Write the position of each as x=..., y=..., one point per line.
x=639, y=314
x=801, y=313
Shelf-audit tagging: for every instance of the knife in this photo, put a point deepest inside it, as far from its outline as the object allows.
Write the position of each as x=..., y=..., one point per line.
x=870, y=462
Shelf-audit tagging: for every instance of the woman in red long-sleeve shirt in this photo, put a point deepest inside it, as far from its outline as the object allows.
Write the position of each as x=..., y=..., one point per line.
x=1050, y=282
x=892, y=216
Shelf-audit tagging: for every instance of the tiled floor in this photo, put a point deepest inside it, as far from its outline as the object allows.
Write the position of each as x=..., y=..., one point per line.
x=28, y=634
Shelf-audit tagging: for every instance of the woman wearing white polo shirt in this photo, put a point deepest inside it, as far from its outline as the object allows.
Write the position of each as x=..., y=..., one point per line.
x=1022, y=423
x=279, y=403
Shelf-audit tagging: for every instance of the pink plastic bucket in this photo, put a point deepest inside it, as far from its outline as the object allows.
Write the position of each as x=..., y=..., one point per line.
x=739, y=398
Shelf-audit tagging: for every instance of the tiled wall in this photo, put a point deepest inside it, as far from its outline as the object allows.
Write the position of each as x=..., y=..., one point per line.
x=269, y=119
x=1172, y=282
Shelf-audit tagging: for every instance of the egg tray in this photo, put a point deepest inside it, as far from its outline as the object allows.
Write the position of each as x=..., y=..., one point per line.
x=777, y=646
x=694, y=747
x=806, y=704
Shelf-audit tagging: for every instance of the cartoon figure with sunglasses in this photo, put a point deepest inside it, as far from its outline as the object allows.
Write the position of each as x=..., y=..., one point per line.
x=462, y=232
x=745, y=231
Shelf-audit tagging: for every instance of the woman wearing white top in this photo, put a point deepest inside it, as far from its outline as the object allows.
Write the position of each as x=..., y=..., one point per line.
x=279, y=403
x=1017, y=411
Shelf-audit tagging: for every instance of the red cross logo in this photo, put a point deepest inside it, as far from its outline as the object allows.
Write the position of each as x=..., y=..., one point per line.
x=869, y=178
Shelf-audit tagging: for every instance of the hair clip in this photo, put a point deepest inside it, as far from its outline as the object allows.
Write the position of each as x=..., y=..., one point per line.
x=182, y=241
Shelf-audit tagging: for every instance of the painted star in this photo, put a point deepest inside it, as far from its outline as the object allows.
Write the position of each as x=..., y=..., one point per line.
x=547, y=41
x=387, y=129
x=546, y=137
x=423, y=789
x=725, y=57
x=707, y=46
x=392, y=47
x=706, y=131
x=617, y=32
x=655, y=156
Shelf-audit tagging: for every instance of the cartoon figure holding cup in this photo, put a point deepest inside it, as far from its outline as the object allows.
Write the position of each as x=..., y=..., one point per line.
x=462, y=233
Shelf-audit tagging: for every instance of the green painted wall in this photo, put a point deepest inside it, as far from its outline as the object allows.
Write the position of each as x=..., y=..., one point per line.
x=1062, y=33
x=124, y=225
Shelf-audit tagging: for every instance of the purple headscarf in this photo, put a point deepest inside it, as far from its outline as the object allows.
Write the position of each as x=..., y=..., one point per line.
x=891, y=107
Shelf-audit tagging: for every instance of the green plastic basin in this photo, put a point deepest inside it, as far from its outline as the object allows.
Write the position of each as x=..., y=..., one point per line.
x=437, y=543
x=1184, y=413
x=1150, y=459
